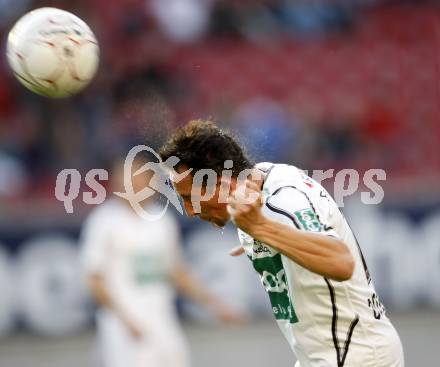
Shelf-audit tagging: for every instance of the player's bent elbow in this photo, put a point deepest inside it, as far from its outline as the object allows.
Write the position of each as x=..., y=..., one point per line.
x=344, y=269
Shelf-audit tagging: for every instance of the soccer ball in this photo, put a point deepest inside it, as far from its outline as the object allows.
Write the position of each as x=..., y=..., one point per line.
x=52, y=52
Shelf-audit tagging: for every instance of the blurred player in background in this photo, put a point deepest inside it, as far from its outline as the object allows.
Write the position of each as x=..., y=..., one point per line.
x=133, y=267
x=299, y=242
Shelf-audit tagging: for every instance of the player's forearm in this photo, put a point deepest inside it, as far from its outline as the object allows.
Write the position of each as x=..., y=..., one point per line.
x=320, y=254
x=98, y=291
x=104, y=299
x=190, y=288
x=100, y=294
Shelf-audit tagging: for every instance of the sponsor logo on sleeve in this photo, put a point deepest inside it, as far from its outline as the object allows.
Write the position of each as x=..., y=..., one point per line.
x=308, y=220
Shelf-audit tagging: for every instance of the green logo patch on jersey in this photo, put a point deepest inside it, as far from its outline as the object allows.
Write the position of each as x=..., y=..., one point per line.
x=308, y=220
x=274, y=280
x=146, y=269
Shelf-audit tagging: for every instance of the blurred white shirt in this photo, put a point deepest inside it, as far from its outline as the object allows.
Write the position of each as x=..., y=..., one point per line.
x=134, y=257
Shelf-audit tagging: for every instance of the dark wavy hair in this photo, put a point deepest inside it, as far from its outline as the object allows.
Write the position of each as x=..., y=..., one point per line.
x=202, y=144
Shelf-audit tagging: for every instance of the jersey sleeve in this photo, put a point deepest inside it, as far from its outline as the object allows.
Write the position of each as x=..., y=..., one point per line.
x=293, y=207
x=94, y=242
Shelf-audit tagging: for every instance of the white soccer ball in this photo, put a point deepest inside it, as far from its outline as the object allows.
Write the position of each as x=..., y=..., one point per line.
x=52, y=52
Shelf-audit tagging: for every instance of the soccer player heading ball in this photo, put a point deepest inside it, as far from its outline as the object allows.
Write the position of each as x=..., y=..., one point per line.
x=309, y=261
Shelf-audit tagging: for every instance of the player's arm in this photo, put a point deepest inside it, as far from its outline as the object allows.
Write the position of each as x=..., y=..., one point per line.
x=94, y=251
x=191, y=288
x=102, y=297
x=321, y=254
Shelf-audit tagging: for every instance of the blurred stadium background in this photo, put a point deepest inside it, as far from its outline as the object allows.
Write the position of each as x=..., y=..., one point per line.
x=321, y=84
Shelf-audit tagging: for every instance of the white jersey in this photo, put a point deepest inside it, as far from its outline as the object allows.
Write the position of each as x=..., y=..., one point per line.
x=134, y=257
x=327, y=323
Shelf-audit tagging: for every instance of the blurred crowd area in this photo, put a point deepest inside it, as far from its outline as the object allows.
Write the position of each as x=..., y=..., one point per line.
x=320, y=84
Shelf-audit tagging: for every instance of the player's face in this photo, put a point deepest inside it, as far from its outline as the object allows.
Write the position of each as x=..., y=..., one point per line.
x=138, y=182
x=211, y=209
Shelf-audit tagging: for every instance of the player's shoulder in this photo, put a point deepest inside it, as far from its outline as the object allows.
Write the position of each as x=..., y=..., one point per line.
x=284, y=176
x=290, y=195
x=168, y=217
x=103, y=213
